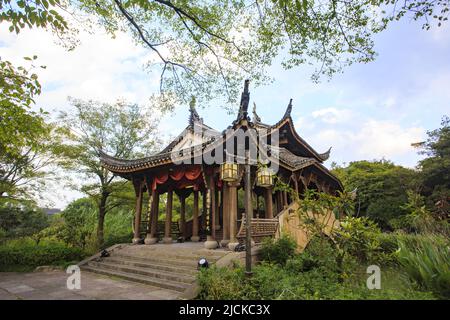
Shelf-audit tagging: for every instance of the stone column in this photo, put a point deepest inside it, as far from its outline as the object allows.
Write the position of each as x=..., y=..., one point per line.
x=233, y=216
x=168, y=226
x=195, y=236
x=225, y=215
x=183, y=215
x=151, y=237
x=268, y=203
x=138, y=213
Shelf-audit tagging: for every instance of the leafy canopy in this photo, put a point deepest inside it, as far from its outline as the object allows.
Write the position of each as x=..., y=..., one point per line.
x=28, y=142
x=205, y=48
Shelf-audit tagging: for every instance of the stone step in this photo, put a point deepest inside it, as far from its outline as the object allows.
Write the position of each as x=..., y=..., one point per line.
x=165, y=259
x=176, y=277
x=156, y=282
x=212, y=255
x=157, y=266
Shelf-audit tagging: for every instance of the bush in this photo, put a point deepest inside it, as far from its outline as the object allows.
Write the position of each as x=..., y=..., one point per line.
x=271, y=282
x=27, y=257
x=426, y=260
x=224, y=284
x=278, y=251
x=320, y=253
x=362, y=239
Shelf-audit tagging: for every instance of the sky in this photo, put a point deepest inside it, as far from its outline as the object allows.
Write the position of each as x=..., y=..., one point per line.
x=371, y=111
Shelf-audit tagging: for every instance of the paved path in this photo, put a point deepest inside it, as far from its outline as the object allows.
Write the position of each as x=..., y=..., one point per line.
x=51, y=285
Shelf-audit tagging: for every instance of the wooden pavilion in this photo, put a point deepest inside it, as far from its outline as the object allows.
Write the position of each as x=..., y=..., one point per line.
x=184, y=168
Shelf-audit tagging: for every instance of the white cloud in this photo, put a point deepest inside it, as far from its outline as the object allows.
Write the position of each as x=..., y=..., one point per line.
x=372, y=139
x=99, y=68
x=332, y=115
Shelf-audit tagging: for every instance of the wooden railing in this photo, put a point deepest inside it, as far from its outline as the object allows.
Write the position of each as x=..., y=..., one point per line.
x=260, y=229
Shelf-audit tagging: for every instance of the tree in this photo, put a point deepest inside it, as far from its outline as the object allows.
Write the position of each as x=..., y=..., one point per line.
x=79, y=222
x=28, y=142
x=21, y=220
x=120, y=129
x=434, y=170
x=205, y=48
x=381, y=188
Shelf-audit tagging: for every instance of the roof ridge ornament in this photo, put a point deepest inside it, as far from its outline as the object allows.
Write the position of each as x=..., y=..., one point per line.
x=256, y=118
x=288, y=110
x=193, y=114
x=245, y=99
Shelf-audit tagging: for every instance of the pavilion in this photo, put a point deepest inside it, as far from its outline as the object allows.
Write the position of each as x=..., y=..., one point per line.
x=206, y=163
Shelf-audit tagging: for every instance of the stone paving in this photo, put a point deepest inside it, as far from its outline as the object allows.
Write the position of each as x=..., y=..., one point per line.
x=51, y=285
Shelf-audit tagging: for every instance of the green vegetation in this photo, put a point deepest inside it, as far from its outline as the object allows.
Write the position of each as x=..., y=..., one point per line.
x=426, y=260
x=314, y=274
x=26, y=255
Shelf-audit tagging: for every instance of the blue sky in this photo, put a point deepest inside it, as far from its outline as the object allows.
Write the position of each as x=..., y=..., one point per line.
x=370, y=111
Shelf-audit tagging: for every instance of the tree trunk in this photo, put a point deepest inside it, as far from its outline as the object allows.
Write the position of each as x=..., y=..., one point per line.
x=101, y=218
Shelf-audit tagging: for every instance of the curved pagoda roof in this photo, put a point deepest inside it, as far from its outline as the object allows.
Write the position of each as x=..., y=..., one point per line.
x=294, y=153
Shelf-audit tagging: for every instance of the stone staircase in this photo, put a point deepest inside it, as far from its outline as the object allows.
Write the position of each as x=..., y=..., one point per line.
x=172, y=267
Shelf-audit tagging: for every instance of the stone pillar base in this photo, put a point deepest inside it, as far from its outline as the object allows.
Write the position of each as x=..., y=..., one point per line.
x=232, y=245
x=224, y=242
x=136, y=240
x=210, y=243
x=150, y=240
x=195, y=238
x=167, y=240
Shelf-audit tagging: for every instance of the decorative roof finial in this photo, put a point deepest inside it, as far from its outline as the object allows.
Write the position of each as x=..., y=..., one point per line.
x=288, y=110
x=193, y=115
x=256, y=118
x=245, y=98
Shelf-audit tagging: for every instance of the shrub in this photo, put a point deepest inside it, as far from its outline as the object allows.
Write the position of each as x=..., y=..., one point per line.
x=223, y=284
x=30, y=256
x=278, y=251
x=361, y=238
x=271, y=282
x=426, y=260
x=320, y=253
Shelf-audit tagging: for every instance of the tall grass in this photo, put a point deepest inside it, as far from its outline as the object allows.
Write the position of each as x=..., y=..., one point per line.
x=426, y=260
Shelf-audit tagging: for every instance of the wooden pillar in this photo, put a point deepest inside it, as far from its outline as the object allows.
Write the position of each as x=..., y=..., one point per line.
x=138, y=213
x=233, y=215
x=195, y=236
x=217, y=209
x=183, y=215
x=204, y=210
x=151, y=237
x=212, y=222
x=279, y=201
x=168, y=225
x=225, y=215
x=285, y=199
x=268, y=203
x=296, y=185
x=257, y=206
